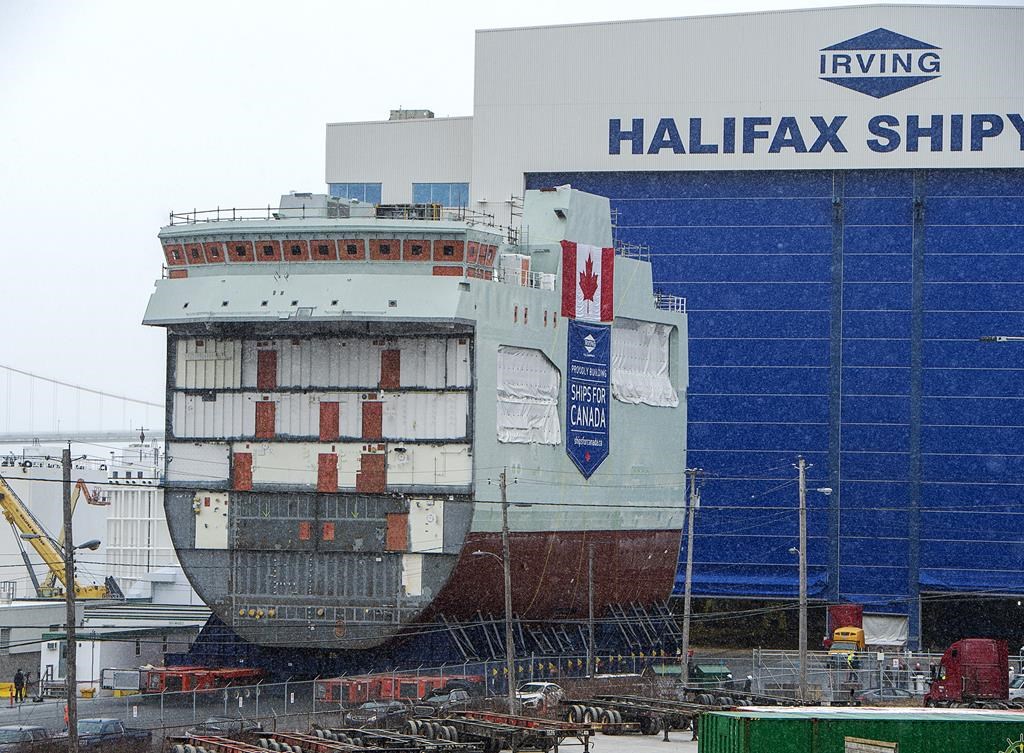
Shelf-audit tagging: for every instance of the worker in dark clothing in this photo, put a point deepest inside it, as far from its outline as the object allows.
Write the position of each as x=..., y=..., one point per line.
x=19, y=686
x=693, y=726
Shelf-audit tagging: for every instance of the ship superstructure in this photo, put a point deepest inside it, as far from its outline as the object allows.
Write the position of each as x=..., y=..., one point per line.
x=346, y=385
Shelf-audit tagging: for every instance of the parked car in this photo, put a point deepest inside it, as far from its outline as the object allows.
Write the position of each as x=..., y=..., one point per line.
x=876, y=695
x=110, y=736
x=539, y=695
x=1017, y=688
x=380, y=714
x=443, y=701
x=24, y=737
x=225, y=725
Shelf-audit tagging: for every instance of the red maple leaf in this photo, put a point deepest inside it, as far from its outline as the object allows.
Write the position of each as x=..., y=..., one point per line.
x=588, y=280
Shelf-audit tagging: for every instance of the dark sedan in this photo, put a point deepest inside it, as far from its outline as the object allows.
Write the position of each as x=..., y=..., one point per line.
x=24, y=737
x=380, y=714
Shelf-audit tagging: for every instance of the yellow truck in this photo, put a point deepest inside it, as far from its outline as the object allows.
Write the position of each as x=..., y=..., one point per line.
x=846, y=643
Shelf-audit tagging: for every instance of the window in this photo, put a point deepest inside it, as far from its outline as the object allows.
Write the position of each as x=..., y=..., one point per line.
x=138, y=647
x=5, y=641
x=268, y=250
x=365, y=192
x=297, y=250
x=446, y=194
x=322, y=250
x=351, y=249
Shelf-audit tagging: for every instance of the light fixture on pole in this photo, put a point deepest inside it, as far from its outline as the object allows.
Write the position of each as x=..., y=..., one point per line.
x=691, y=510
x=71, y=658
x=801, y=550
x=506, y=567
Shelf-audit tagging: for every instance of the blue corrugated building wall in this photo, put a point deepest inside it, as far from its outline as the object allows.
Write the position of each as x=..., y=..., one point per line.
x=836, y=315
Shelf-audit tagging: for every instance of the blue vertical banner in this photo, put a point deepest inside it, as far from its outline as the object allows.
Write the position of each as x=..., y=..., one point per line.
x=587, y=394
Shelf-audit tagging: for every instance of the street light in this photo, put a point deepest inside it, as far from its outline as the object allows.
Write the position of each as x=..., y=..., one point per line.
x=510, y=649
x=70, y=679
x=801, y=551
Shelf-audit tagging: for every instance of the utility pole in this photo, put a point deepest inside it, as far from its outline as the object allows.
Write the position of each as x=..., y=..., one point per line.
x=71, y=680
x=590, y=610
x=801, y=465
x=691, y=510
x=506, y=564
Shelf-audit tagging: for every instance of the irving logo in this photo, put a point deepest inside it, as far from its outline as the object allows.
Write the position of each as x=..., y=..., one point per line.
x=879, y=63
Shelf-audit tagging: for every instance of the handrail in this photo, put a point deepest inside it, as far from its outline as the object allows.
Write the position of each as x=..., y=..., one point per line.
x=419, y=212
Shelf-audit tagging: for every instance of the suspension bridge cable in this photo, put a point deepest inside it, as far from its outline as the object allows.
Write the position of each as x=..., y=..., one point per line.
x=91, y=391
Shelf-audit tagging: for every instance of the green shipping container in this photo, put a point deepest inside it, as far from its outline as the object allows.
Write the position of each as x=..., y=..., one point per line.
x=860, y=730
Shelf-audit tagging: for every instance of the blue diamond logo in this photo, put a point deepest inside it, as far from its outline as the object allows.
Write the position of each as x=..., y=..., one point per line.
x=879, y=63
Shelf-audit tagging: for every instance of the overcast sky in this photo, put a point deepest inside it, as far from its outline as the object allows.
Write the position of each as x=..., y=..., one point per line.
x=114, y=113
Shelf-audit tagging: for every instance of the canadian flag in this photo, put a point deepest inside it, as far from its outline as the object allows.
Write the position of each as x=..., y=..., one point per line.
x=587, y=281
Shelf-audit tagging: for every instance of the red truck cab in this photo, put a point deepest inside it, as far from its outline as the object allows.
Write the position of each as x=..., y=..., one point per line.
x=972, y=669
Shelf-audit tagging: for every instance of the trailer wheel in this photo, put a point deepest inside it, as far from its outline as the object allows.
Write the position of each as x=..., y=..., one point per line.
x=591, y=715
x=342, y=739
x=426, y=730
x=575, y=715
x=616, y=717
x=606, y=722
x=179, y=748
x=453, y=733
x=723, y=700
x=411, y=727
x=653, y=726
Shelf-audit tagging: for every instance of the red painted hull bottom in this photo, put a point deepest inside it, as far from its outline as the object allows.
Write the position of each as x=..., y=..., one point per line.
x=549, y=573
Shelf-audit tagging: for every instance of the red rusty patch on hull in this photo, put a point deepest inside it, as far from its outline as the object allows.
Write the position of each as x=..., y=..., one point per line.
x=549, y=573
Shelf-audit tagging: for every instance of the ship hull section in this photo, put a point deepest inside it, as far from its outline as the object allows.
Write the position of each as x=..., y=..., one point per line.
x=550, y=573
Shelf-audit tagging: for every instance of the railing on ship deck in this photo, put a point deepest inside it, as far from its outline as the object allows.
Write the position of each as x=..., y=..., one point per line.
x=428, y=212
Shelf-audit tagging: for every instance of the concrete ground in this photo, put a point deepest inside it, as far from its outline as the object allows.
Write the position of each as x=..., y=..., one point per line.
x=679, y=742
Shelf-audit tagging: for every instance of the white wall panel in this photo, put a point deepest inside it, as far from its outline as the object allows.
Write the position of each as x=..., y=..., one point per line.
x=460, y=373
x=426, y=525
x=321, y=362
x=197, y=461
x=229, y=414
x=406, y=415
x=203, y=363
x=425, y=415
x=297, y=463
x=423, y=363
x=429, y=465
x=211, y=510
x=438, y=149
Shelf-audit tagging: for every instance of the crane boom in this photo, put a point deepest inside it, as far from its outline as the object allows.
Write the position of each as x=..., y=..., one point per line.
x=22, y=519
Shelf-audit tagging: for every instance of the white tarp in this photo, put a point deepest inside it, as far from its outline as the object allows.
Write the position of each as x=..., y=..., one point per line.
x=885, y=630
x=640, y=363
x=528, y=385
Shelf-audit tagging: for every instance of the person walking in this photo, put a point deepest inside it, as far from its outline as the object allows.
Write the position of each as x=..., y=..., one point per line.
x=19, y=686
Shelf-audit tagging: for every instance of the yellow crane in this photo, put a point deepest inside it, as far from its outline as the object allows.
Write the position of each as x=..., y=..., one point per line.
x=27, y=527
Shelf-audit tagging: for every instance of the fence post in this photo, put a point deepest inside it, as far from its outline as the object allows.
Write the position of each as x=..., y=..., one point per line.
x=162, y=707
x=194, y=706
x=258, y=699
